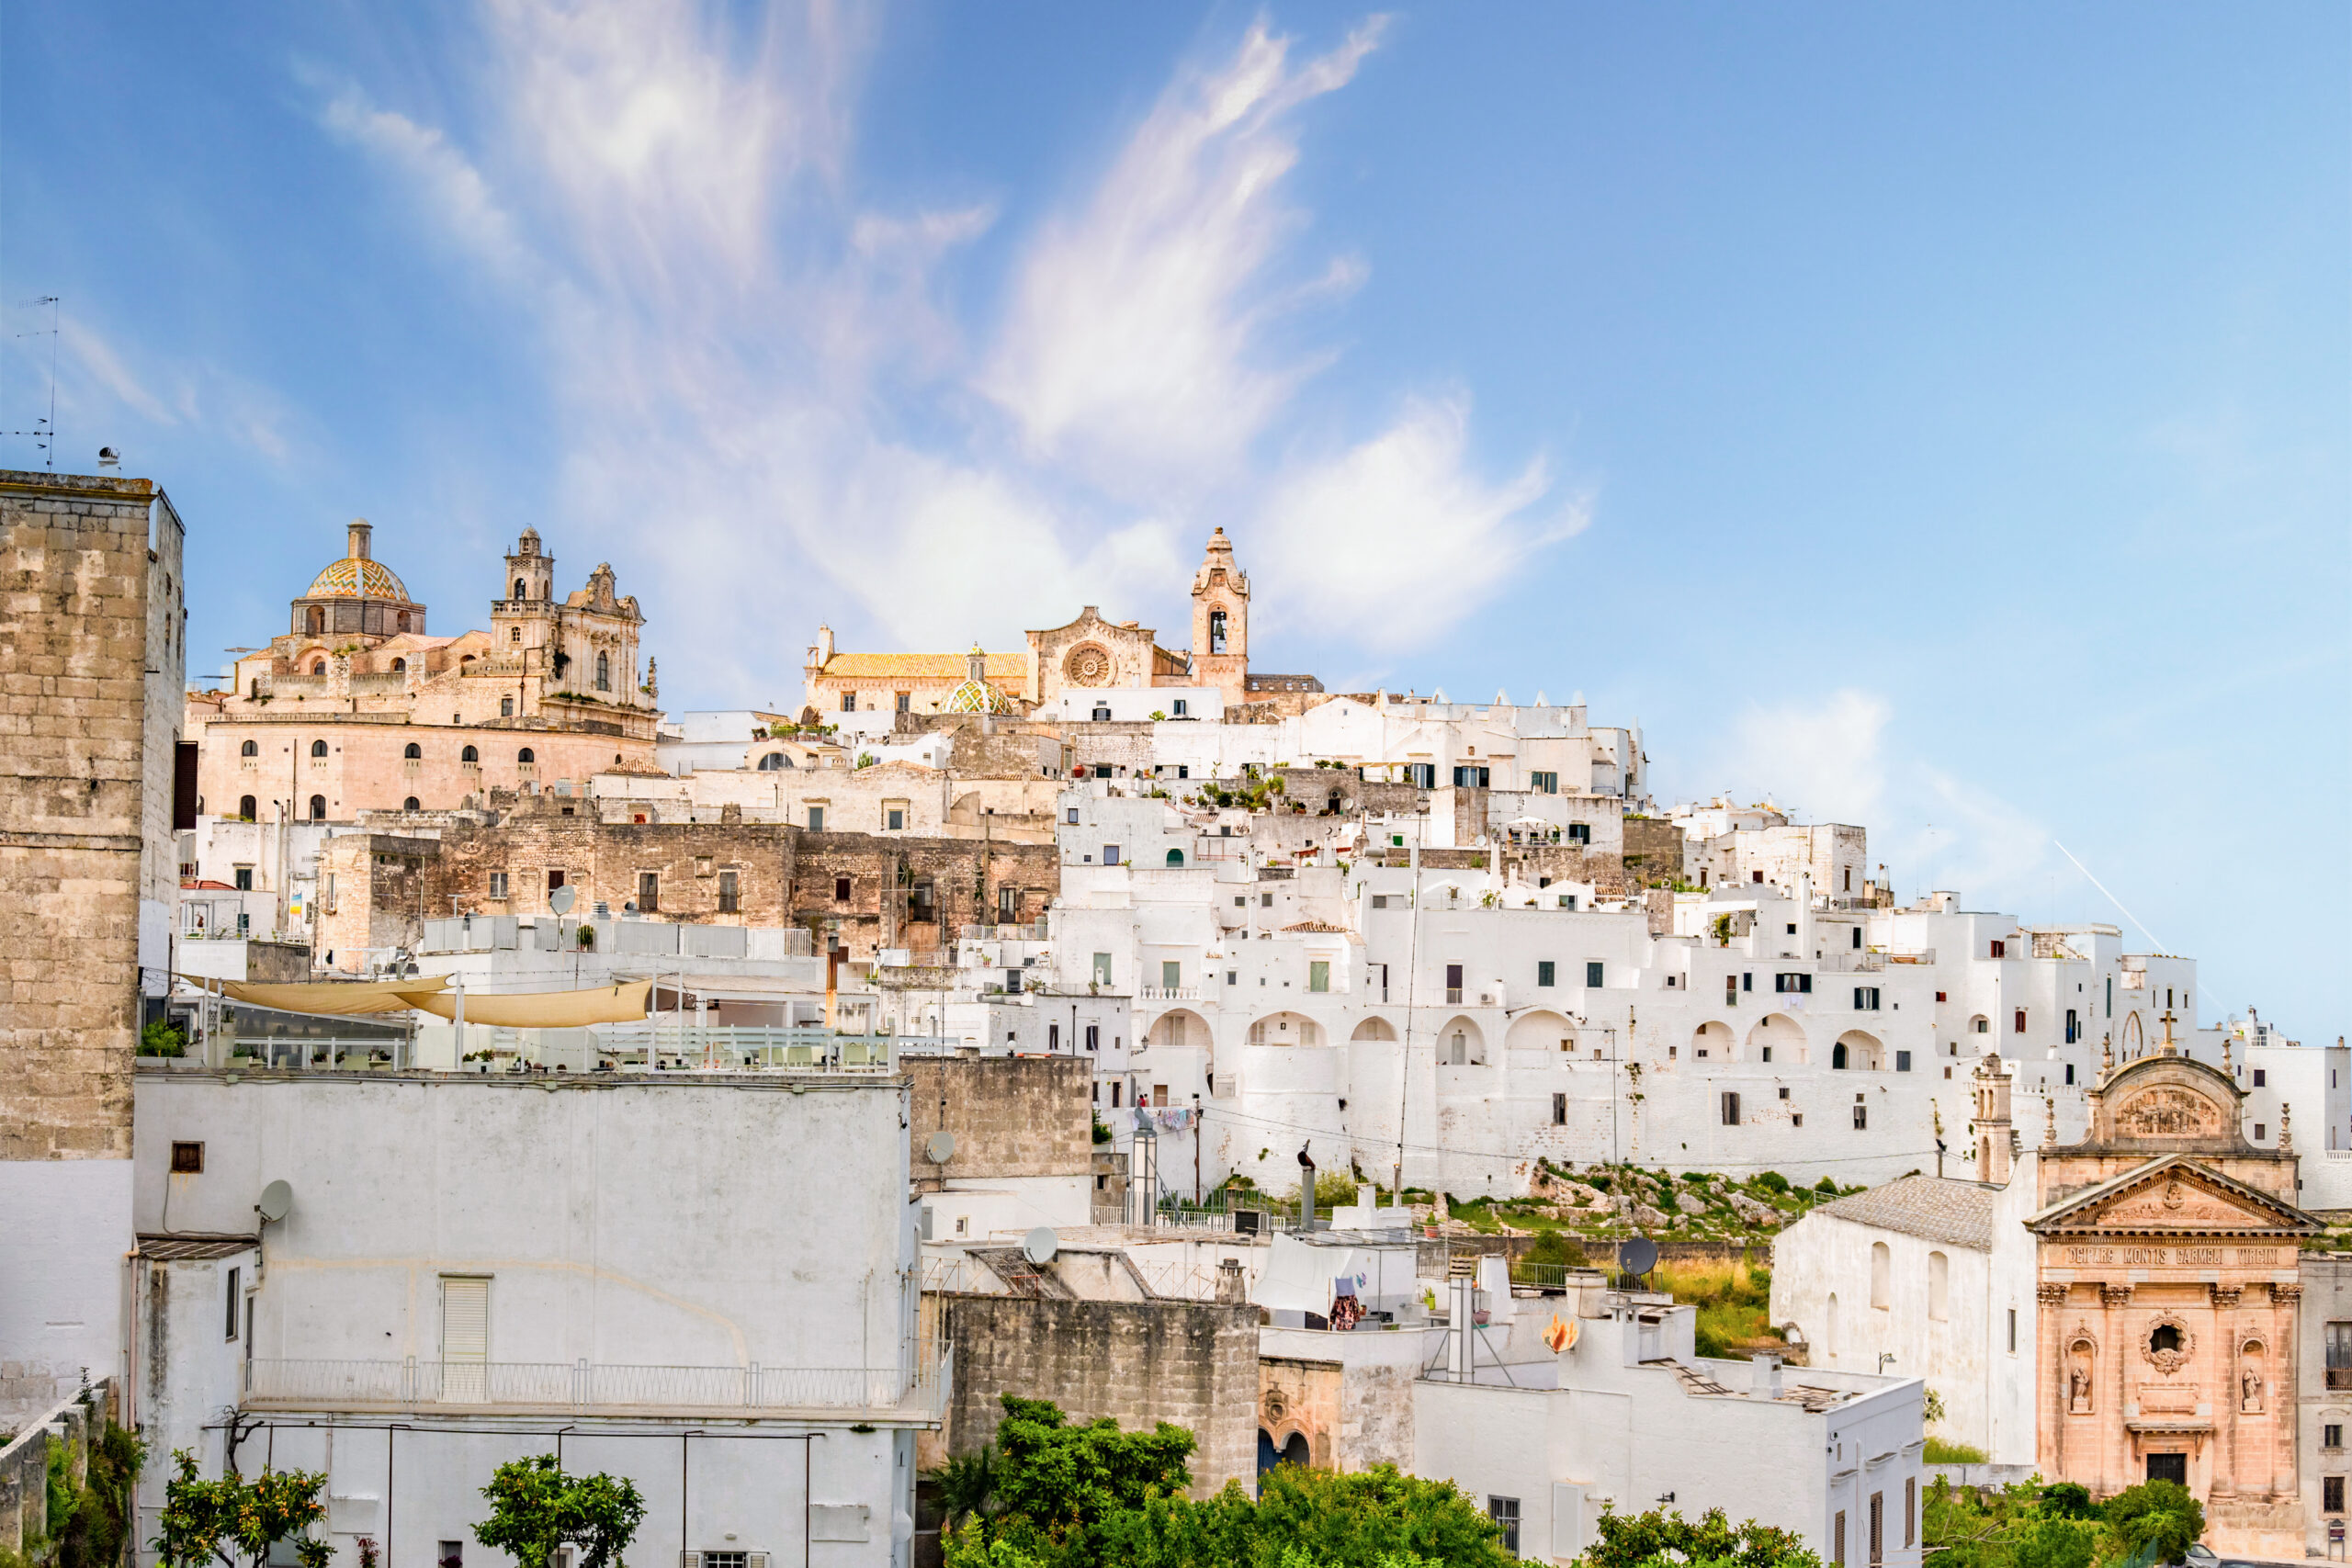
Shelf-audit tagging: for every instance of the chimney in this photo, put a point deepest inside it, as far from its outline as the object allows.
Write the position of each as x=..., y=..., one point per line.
x=1229, y=1286
x=1764, y=1370
x=357, y=549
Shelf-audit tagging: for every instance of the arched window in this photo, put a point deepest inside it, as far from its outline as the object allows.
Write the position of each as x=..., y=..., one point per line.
x=317, y=665
x=318, y=808
x=469, y=755
x=249, y=749
x=318, y=748
x=526, y=757
x=603, y=672
x=399, y=666
x=414, y=753
x=515, y=635
x=317, y=620
x=1938, y=1287
x=1216, y=631
x=521, y=592
x=1838, y=1056
x=1881, y=1275
x=403, y=620
x=247, y=808
x=1175, y=857
x=774, y=761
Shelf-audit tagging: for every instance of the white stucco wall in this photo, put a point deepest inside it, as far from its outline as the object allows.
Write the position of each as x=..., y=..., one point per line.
x=62, y=1248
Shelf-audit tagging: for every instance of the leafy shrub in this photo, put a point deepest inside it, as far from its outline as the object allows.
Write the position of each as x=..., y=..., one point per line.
x=1772, y=1181
x=162, y=1038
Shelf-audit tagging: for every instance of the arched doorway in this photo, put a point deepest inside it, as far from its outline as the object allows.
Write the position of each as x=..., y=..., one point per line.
x=1777, y=1038
x=1286, y=1029
x=1542, y=1029
x=1175, y=857
x=1857, y=1051
x=1713, y=1042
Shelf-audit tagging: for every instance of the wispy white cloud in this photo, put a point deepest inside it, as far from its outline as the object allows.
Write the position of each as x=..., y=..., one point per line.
x=1132, y=346
x=1352, y=541
x=1830, y=760
x=757, y=369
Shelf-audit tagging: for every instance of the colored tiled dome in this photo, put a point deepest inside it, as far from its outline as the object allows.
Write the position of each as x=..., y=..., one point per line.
x=353, y=578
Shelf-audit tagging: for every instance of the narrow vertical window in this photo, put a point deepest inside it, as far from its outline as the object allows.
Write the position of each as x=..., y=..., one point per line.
x=235, y=1296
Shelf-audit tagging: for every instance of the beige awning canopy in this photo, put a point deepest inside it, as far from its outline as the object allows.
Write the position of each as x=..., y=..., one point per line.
x=621, y=1003
x=328, y=997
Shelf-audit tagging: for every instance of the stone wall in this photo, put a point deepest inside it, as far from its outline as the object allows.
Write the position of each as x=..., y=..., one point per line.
x=901, y=891
x=1652, y=851
x=73, y=632
x=1191, y=1363
x=1010, y=1115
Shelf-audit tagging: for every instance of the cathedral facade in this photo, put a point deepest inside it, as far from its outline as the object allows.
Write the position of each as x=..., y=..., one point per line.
x=1091, y=653
x=356, y=707
x=2169, y=1302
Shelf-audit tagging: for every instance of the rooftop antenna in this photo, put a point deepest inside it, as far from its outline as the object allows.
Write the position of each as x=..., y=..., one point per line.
x=44, y=430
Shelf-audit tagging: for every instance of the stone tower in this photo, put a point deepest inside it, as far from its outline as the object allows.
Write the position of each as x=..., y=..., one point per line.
x=1996, y=1137
x=86, y=876
x=530, y=571
x=1221, y=622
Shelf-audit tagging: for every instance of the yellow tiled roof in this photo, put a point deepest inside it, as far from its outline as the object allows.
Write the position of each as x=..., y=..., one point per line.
x=352, y=578
x=1013, y=668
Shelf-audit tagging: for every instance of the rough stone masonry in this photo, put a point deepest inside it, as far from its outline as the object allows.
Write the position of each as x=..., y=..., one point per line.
x=74, y=641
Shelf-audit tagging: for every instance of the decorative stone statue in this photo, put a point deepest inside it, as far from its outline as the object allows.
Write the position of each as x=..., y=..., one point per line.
x=2078, y=1392
x=2250, y=1390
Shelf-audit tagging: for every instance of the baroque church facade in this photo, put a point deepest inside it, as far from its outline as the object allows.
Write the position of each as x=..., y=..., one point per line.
x=1090, y=654
x=2170, y=1301
x=357, y=707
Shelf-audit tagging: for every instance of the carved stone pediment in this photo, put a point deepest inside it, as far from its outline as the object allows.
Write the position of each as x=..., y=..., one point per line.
x=2170, y=1110
x=2181, y=1202
x=2172, y=1194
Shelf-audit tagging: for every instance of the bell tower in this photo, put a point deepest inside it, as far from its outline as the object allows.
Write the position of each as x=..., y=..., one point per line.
x=1996, y=1137
x=1221, y=623
x=530, y=571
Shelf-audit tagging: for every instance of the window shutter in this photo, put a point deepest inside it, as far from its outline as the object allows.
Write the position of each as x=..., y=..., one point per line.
x=465, y=1320
x=755, y=1559
x=690, y=1560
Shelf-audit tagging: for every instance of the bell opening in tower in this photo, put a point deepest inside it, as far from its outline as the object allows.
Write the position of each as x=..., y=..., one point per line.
x=1216, y=631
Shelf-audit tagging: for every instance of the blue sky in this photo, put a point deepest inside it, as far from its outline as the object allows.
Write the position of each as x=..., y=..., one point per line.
x=1938, y=420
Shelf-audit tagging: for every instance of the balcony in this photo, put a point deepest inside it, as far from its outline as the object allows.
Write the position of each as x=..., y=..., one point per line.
x=1168, y=993
x=907, y=1396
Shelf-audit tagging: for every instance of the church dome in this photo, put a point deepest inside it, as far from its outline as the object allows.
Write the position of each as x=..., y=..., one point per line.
x=352, y=578
x=357, y=575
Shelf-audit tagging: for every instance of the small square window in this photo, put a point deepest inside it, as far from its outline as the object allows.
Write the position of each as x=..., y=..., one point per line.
x=1595, y=972
x=187, y=1160
x=1784, y=1092
x=2331, y=1435
x=1544, y=969
x=841, y=889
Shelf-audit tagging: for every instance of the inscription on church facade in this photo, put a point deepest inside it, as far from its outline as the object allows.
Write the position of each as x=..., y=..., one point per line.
x=2175, y=1257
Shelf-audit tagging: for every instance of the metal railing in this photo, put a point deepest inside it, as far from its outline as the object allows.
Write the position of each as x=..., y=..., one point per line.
x=912, y=1391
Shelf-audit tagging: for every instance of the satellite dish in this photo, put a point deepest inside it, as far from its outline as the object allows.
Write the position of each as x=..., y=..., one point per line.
x=1638, y=1255
x=561, y=900
x=939, y=1148
x=276, y=1201
x=1038, y=1246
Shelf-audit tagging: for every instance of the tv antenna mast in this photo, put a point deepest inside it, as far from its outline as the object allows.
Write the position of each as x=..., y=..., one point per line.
x=44, y=432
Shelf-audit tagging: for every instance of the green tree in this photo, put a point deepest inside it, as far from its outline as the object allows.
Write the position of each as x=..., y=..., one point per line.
x=1640, y=1540
x=2159, y=1520
x=234, y=1521
x=535, y=1508
x=965, y=1486
x=91, y=1533
x=1365, y=1516
x=1057, y=1476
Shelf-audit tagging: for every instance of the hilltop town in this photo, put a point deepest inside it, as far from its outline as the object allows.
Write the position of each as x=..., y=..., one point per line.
x=423, y=1043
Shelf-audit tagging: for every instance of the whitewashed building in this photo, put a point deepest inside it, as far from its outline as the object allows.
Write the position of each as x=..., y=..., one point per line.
x=1929, y=1278
x=1629, y=1417
x=704, y=1283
